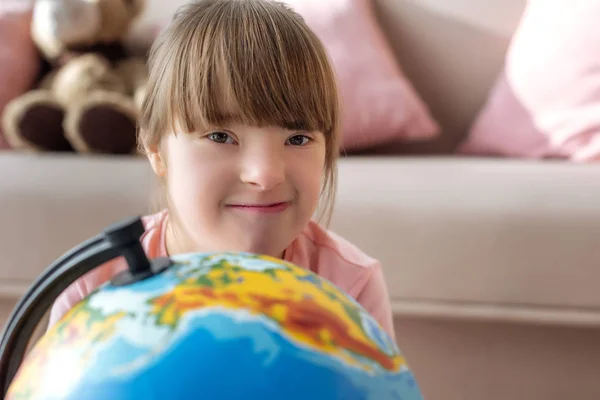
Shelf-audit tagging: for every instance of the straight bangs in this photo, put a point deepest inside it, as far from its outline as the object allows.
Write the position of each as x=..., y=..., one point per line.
x=247, y=61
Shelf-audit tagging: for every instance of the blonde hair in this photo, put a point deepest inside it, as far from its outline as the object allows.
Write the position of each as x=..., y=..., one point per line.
x=256, y=54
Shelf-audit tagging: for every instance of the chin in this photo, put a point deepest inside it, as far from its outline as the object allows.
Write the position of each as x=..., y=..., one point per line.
x=262, y=249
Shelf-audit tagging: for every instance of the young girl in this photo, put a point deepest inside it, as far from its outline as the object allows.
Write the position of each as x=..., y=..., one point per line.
x=240, y=124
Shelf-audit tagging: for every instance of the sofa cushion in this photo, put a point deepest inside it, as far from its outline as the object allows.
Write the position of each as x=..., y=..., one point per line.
x=379, y=103
x=546, y=102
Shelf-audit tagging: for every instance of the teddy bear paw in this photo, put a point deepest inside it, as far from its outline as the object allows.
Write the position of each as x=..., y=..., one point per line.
x=34, y=121
x=106, y=123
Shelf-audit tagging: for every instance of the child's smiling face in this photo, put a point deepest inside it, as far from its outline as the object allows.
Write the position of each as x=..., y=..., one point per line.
x=241, y=124
x=240, y=187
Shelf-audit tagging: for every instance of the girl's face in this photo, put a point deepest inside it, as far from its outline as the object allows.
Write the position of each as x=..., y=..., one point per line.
x=241, y=188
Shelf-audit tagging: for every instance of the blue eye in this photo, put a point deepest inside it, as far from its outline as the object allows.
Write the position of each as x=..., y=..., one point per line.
x=298, y=140
x=220, y=137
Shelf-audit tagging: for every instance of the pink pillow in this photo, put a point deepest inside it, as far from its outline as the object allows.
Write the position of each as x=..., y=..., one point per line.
x=546, y=103
x=379, y=104
x=19, y=59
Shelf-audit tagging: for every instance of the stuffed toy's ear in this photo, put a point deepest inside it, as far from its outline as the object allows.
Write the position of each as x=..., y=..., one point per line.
x=34, y=121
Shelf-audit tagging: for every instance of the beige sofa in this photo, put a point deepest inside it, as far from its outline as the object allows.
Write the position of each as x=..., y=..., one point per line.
x=492, y=265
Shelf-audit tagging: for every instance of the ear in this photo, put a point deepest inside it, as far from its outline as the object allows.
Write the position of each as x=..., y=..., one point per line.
x=156, y=160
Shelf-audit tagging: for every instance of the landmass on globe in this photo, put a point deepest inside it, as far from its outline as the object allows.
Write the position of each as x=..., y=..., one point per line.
x=146, y=319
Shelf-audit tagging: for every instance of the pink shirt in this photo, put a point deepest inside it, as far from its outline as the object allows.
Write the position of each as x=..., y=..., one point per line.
x=316, y=249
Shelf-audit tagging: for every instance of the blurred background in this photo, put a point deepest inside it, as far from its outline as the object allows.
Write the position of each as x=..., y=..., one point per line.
x=470, y=134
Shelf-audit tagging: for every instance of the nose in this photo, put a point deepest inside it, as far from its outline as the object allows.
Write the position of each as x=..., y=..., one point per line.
x=263, y=169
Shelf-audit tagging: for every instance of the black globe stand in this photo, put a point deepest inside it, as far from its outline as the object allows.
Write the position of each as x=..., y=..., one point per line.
x=126, y=236
x=120, y=239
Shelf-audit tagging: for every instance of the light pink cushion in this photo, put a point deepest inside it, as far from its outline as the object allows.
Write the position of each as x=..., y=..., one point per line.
x=379, y=104
x=19, y=59
x=546, y=103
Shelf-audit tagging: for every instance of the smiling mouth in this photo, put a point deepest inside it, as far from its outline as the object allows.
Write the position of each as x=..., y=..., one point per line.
x=261, y=208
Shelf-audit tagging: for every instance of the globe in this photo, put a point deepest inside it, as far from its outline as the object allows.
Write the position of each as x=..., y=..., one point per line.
x=217, y=326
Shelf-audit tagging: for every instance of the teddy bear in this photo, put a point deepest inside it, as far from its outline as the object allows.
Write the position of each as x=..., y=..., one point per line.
x=89, y=99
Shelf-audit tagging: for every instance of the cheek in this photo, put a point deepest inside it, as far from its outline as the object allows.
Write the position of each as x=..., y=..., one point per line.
x=316, y=184
x=308, y=176
x=194, y=174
